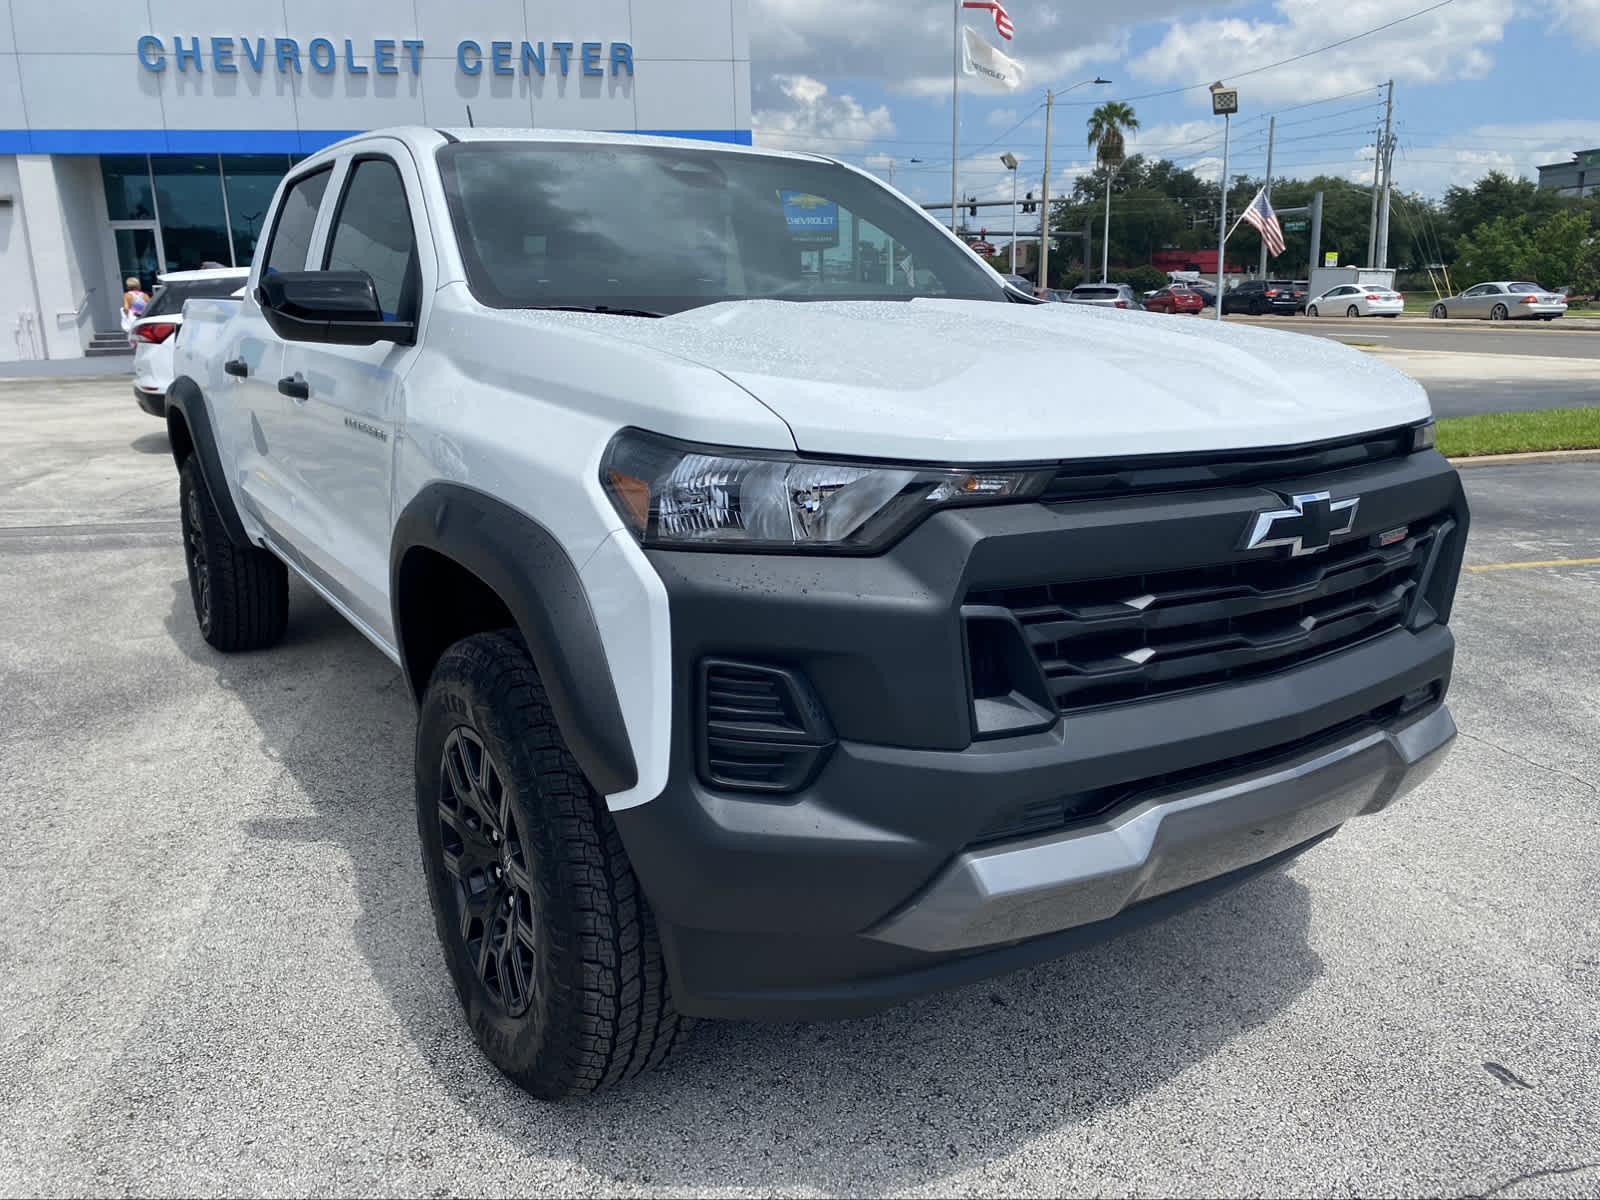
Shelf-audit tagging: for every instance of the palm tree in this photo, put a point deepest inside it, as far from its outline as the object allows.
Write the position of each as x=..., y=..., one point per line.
x=1107, y=126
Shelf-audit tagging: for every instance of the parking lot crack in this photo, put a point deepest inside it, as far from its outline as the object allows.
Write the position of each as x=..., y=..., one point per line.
x=1523, y=758
x=1542, y=1173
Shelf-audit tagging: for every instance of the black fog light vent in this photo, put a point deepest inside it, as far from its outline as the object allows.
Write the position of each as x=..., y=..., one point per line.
x=1009, y=693
x=762, y=728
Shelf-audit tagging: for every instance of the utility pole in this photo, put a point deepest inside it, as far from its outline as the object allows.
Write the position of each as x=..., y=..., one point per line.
x=1316, y=233
x=1272, y=134
x=1383, y=209
x=1377, y=171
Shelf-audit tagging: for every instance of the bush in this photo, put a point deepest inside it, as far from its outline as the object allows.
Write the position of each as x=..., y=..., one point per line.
x=1141, y=279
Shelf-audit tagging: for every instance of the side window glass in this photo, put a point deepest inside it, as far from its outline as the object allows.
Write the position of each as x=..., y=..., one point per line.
x=372, y=233
x=297, y=219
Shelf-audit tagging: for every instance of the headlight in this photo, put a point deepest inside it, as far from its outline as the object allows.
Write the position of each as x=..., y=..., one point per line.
x=1423, y=436
x=675, y=494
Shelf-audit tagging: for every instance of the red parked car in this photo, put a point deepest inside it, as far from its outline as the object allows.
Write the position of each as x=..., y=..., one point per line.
x=1174, y=300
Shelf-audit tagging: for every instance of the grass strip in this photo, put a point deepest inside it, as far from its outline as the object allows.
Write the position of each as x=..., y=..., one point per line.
x=1520, y=432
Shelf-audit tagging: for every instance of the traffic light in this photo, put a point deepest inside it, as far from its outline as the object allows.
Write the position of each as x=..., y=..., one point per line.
x=1028, y=205
x=973, y=210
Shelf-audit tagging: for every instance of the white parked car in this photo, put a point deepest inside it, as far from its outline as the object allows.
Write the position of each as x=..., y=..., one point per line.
x=155, y=334
x=1354, y=300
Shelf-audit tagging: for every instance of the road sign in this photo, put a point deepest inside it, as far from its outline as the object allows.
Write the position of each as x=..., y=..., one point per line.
x=1330, y=258
x=1294, y=226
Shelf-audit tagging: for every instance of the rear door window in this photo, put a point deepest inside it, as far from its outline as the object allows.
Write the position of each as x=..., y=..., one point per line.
x=169, y=297
x=297, y=221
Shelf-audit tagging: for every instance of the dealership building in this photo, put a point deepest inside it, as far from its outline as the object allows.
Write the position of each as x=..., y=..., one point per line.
x=145, y=136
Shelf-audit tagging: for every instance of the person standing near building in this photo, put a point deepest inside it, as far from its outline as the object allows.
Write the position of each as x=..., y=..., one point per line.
x=134, y=302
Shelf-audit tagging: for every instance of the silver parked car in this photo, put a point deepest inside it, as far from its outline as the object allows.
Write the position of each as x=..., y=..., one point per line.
x=1502, y=301
x=1105, y=295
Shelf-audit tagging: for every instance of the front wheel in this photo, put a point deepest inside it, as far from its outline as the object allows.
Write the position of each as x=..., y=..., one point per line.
x=547, y=936
x=1499, y=313
x=1352, y=311
x=240, y=593
x=1438, y=312
x=1311, y=311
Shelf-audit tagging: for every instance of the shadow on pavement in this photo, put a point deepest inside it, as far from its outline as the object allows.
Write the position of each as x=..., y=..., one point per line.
x=940, y=1085
x=152, y=443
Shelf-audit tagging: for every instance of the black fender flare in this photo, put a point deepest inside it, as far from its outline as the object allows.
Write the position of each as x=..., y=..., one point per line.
x=524, y=564
x=186, y=406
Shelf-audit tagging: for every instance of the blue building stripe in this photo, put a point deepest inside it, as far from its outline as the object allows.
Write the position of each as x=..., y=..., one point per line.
x=242, y=141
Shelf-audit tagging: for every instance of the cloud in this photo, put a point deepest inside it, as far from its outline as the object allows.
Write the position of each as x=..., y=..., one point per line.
x=798, y=112
x=1449, y=43
x=1516, y=149
x=906, y=45
x=1580, y=18
x=1004, y=118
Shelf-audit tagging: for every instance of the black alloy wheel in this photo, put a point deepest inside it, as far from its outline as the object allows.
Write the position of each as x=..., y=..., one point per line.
x=194, y=558
x=488, y=868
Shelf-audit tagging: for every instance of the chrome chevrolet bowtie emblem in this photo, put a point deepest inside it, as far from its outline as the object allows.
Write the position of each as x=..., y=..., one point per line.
x=1311, y=525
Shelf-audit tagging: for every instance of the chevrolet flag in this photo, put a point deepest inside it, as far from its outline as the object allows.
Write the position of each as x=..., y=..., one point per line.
x=979, y=58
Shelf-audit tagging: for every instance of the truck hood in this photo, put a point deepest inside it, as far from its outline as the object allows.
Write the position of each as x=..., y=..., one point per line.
x=967, y=381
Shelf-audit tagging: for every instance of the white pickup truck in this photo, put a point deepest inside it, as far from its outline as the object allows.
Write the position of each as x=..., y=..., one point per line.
x=800, y=619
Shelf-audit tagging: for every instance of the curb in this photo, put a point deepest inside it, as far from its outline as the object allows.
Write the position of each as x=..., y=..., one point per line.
x=1530, y=457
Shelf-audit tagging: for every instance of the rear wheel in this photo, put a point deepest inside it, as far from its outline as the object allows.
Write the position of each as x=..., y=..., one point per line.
x=1438, y=312
x=548, y=939
x=240, y=593
x=1499, y=313
x=1352, y=311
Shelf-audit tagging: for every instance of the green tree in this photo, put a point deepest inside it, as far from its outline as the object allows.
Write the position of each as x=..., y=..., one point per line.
x=1107, y=128
x=1495, y=195
x=1565, y=253
x=1497, y=249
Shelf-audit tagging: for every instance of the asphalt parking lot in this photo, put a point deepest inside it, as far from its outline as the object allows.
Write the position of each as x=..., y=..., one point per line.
x=220, y=974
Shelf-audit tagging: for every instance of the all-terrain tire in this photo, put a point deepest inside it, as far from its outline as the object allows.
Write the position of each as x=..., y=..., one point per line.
x=240, y=593
x=546, y=933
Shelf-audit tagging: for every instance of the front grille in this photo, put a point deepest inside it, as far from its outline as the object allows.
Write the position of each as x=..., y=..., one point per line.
x=1109, y=640
x=1100, y=479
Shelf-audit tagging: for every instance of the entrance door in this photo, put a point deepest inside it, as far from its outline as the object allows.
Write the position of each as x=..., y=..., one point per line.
x=139, y=253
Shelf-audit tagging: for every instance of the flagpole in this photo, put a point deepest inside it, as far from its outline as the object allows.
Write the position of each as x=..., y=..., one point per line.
x=955, y=118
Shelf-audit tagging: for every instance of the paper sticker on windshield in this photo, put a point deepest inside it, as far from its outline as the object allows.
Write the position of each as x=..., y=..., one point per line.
x=813, y=221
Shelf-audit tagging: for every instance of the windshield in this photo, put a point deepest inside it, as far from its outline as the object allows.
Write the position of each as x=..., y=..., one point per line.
x=1096, y=293
x=664, y=229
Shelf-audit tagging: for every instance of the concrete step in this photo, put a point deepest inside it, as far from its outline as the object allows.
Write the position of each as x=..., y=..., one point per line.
x=98, y=350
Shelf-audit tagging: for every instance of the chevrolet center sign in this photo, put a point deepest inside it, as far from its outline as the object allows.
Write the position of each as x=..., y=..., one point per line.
x=381, y=56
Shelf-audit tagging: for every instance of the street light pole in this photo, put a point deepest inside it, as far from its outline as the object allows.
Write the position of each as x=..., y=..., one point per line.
x=1010, y=161
x=1224, y=103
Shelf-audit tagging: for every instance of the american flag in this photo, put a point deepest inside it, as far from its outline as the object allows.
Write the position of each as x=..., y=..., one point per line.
x=1002, y=19
x=1260, y=215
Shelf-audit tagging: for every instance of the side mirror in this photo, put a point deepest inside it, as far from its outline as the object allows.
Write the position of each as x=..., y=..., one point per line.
x=340, y=308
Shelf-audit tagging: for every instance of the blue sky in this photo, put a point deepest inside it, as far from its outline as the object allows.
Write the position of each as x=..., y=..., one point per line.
x=1479, y=85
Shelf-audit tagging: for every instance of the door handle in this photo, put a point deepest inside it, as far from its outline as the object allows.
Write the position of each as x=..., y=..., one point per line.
x=236, y=367
x=296, y=386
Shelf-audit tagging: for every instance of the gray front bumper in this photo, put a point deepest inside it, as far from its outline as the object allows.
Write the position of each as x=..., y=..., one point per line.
x=1164, y=842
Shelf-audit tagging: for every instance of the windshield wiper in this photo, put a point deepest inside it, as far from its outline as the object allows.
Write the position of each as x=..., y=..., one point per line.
x=597, y=308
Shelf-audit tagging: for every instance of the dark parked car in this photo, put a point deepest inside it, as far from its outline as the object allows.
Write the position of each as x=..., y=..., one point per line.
x=1261, y=296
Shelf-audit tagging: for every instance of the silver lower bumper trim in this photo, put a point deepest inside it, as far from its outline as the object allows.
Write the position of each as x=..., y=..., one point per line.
x=1164, y=842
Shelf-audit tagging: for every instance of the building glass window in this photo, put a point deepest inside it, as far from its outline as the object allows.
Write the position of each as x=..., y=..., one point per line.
x=249, y=180
x=127, y=183
x=194, y=228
